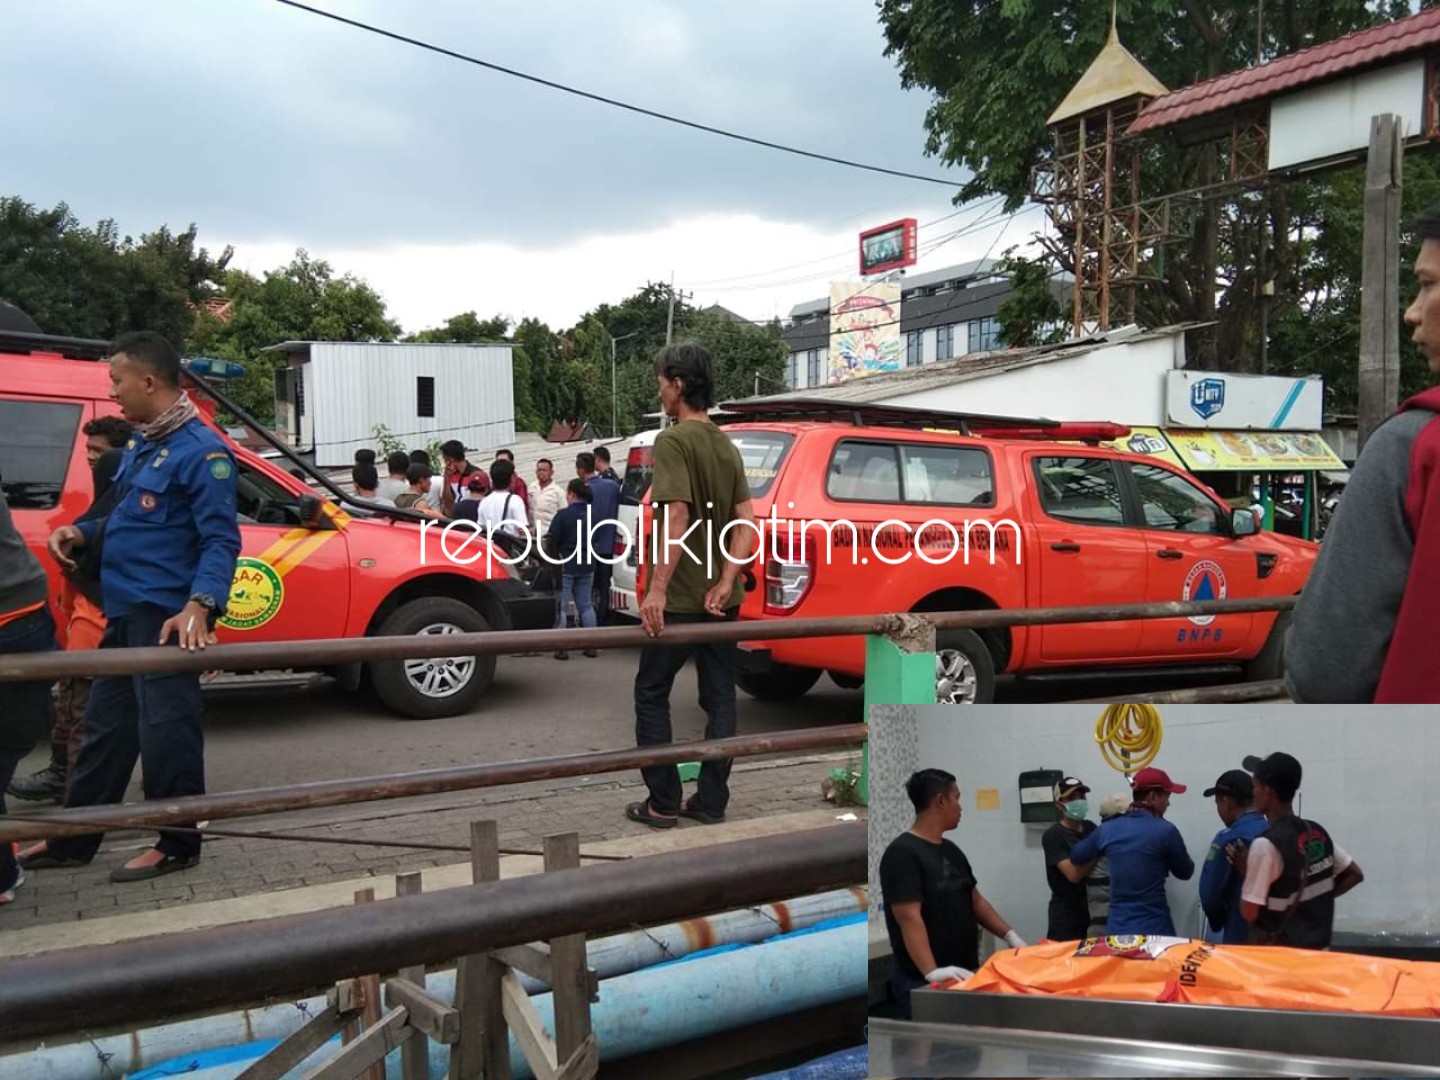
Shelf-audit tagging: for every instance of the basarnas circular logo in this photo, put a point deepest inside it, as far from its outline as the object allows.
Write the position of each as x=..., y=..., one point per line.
x=256, y=593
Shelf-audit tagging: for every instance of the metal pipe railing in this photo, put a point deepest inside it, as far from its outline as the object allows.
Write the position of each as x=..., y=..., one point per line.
x=233, y=804
x=161, y=978
x=1227, y=694
x=16, y=667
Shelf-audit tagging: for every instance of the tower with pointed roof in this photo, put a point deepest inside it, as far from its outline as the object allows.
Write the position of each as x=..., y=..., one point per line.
x=1091, y=184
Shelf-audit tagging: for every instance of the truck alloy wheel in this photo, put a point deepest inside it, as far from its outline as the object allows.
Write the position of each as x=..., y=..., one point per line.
x=964, y=670
x=439, y=686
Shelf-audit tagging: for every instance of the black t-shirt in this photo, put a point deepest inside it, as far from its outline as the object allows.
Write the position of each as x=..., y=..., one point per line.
x=940, y=878
x=1069, y=905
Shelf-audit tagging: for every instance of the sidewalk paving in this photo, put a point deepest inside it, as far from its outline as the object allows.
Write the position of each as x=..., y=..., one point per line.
x=593, y=807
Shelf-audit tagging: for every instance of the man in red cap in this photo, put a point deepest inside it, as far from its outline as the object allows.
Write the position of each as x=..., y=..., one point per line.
x=1143, y=849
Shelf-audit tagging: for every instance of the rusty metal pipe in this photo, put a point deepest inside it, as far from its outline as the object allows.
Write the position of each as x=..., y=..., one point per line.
x=1230, y=693
x=233, y=804
x=87, y=663
x=161, y=978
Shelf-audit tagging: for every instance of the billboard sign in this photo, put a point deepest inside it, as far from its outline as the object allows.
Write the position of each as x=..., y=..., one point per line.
x=889, y=247
x=1212, y=399
x=864, y=329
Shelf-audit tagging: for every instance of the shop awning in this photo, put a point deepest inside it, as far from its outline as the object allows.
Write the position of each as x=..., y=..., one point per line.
x=1149, y=441
x=1252, y=451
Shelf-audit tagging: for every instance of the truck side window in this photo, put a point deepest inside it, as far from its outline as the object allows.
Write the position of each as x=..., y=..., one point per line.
x=1172, y=502
x=35, y=452
x=947, y=475
x=1084, y=490
x=864, y=472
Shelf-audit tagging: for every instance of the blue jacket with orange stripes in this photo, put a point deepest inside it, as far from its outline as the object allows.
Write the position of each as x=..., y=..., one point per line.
x=173, y=532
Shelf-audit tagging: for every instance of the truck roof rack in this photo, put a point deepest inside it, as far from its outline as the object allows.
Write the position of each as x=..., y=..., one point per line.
x=72, y=348
x=859, y=413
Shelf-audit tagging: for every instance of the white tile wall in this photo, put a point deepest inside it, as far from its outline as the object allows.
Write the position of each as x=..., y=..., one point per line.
x=1370, y=778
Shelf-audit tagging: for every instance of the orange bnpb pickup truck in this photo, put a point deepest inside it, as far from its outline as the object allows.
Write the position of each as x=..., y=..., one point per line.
x=308, y=569
x=906, y=509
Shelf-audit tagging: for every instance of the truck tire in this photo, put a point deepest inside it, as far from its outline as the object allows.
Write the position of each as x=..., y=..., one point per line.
x=1269, y=662
x=847, y=682
x=428, y=689
x=780, y=683
x=964, y=669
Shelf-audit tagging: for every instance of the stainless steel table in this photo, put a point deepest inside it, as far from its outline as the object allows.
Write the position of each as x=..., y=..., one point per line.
x=958, y=1034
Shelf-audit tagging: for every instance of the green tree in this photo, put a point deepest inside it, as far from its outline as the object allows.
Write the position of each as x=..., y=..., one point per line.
x=304, y=301
x=997, y=70
x=467, y=329
x=84, y=281
x=1031, y=313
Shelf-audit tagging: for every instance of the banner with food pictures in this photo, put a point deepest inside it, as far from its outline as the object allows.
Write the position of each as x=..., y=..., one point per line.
x=864, y=329
x=1252, y=451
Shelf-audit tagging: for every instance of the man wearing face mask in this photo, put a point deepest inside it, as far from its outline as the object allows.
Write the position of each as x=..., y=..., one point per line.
x=1069, y=915
x=1143, y=849
x=933, y=907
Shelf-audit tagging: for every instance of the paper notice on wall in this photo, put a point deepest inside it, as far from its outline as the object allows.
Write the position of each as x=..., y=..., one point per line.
x=987, y=798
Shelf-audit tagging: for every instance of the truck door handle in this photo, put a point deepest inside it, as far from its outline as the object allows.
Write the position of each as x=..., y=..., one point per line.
x=1170, y=553
x=1065, y=545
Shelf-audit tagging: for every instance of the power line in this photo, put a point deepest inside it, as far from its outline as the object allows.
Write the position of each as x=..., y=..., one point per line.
x=654, y=114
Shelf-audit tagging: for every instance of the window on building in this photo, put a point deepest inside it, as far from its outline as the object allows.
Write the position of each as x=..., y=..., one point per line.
x=945, y=342
x=984, y=334
x=812, y=361
x=35, y=453
x=794, y=371
x=914, y=343
x=425, y=395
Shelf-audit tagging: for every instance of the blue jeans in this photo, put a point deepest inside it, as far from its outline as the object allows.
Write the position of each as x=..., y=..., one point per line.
x=24, y=712
x=577, y=586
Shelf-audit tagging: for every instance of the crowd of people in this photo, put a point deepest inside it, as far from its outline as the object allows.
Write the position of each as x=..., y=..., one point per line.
x=1270, y=877
x=501, y=504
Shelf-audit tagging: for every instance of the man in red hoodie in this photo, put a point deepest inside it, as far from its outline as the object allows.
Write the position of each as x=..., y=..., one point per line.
x=1367, y=627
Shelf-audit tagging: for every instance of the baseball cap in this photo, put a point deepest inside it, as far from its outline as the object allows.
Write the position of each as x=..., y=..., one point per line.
x=476, y=481
x=1235, y=783
x=1278, y=770
x=1069, y=788
x=1156, y=778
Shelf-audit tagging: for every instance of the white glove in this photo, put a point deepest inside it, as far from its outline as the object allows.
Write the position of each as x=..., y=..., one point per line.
x=1014, y=940
x=946, y=974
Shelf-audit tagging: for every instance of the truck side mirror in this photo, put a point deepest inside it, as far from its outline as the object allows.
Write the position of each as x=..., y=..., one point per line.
x=310, y=512
x=1243, y=523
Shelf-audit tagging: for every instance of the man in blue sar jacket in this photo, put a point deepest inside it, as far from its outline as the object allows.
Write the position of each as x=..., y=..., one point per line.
x=167, y=557
x=1219, y=881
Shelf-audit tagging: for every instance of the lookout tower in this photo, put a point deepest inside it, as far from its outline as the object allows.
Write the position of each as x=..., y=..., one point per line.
x=1091, y=184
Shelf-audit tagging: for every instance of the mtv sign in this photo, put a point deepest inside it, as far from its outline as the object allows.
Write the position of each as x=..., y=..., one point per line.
x=1207, y=397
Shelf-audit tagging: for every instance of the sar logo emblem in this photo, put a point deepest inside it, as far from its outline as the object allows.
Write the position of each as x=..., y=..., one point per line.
x=256, y=593
x=1205, y=581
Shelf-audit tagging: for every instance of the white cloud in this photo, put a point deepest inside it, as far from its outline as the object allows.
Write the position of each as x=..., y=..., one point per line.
x=757, y=268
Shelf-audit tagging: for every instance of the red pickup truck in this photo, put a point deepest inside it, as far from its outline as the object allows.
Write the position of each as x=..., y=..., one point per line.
x=308, y=569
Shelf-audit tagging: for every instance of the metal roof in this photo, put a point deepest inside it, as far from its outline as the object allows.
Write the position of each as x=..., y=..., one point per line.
x=914, y=380
x=1317, y=64
x=302, y=346
x=1114, y=75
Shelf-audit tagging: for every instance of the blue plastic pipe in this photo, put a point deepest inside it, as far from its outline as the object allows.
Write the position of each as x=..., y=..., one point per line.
x=653, y=1008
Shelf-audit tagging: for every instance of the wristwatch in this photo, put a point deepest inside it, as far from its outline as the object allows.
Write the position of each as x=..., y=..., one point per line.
x=205, y=600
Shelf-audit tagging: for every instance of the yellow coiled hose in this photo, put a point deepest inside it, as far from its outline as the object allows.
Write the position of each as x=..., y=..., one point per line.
x=1129, y=736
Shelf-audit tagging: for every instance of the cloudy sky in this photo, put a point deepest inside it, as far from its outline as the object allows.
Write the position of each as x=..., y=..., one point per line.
x=452, y=188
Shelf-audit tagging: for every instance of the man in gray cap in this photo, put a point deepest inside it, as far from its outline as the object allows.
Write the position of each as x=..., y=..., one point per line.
x=1293, y=872
x=1219, y=882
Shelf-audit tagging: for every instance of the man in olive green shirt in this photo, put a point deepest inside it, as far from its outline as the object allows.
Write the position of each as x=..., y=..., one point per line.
x=703, y=532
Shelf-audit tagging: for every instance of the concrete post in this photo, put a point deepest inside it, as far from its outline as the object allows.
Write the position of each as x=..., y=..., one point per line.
x=899, y=670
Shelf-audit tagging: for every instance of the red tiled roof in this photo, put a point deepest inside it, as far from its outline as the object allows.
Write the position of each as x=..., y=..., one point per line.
x=1316, y=64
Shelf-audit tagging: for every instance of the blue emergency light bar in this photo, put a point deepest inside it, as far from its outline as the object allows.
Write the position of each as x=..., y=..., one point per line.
x=209, y=368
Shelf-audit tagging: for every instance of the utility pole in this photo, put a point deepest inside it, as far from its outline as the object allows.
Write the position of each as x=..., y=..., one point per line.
x=1380, y=278
x=670, y=318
